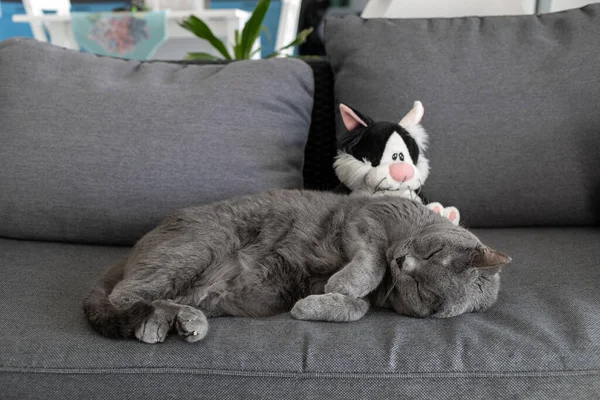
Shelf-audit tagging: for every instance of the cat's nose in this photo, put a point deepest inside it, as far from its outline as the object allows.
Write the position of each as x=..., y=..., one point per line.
x=401, y=171
x=400, y=261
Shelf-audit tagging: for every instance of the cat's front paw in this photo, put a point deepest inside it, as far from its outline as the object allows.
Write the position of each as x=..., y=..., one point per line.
x=334, y=307
x=303, y=309
x=341, y=283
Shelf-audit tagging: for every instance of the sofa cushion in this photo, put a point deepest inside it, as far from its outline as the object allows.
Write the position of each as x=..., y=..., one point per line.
x=99, y=150
x=541, y=338
x=511, y=106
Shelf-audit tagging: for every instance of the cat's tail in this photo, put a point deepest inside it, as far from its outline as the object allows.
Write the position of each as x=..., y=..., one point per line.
x=104, y=317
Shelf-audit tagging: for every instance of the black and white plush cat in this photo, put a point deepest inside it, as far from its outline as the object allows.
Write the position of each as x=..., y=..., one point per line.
x=386, y=158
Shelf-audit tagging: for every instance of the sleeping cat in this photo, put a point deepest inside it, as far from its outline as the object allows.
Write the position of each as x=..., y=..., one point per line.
x=323, y=256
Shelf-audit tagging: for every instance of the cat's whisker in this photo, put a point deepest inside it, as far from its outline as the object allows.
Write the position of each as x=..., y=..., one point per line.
x=377, y=188
x=418, y=193
x=389, y=292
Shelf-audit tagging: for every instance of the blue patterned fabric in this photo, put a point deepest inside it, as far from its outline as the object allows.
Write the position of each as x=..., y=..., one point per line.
x=124, y=34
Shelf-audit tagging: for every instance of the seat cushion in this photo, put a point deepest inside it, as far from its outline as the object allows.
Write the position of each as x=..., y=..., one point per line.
x=99, y=150
x=511, y=107
x=542, y=338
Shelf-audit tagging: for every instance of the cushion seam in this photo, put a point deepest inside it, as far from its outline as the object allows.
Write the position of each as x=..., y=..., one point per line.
x=329, y=375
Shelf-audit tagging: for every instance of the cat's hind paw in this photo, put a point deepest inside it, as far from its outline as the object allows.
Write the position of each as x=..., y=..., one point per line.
x=154, y=329
x=191, y=324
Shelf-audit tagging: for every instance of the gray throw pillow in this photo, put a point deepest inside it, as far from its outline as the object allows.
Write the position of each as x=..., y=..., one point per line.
x=512, y=107
x=96, y=149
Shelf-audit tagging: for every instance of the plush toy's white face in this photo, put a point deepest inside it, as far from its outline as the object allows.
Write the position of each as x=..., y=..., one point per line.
x=396, y=170
x=389, y=166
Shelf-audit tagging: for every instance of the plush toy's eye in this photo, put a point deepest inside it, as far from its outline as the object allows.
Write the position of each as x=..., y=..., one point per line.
x=401, y=156
x=395, y=156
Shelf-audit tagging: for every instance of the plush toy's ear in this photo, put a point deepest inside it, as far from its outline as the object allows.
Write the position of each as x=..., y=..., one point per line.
x=414, y=116
x=352, y=119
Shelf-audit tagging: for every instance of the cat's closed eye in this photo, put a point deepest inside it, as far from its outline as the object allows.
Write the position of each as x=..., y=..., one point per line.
x=417, y=288
x=433, y=253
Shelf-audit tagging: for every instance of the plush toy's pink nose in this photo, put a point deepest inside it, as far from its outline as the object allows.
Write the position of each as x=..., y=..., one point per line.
x=402, y=172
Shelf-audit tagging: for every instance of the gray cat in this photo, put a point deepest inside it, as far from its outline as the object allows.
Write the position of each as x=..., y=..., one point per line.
x=323, y=256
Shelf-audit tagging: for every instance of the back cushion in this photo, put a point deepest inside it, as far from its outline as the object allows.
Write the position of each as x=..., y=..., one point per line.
x=99, y=150
x=512, y=106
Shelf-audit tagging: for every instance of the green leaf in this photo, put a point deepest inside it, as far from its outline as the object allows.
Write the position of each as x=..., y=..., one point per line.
x=237, y=36
x=237, y=46
x=252, y=28
x=200, y=56
x=301, y=38
x=200, y=29
x=267, y=32
x=256, y=51
x=93, y=18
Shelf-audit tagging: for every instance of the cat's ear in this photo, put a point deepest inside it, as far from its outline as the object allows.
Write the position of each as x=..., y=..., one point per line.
x=352, y=118
x=486, y=258
x=414, y=116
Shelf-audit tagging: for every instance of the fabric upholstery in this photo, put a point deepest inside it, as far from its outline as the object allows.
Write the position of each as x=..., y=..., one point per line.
x=511, y=106
x=99, y=150
x=541, y=338
x=321, y=147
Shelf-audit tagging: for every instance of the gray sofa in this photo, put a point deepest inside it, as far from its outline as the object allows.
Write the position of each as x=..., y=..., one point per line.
x=542, y=338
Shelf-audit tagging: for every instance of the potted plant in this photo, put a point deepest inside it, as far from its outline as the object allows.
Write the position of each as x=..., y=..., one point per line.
x=133, y=6
x=244, y=41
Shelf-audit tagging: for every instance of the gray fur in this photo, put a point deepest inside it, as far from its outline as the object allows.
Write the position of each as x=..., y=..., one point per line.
x=323, y=256
x=334, y=307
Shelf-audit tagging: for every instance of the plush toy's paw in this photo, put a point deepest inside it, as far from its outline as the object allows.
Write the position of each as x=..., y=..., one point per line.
x=435, y=207
x=452, y=214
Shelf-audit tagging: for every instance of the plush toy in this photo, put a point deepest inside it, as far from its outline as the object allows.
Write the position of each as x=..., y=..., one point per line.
x=386, y=158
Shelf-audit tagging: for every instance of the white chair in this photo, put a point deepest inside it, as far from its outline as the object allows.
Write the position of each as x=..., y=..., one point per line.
x=546, y=6
x=36, y=8
x=288, y=24
x=222, y=22
x=185, y=5
x=288, y=19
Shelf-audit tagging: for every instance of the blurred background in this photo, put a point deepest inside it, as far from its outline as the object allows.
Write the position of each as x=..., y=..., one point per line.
x=54, y=21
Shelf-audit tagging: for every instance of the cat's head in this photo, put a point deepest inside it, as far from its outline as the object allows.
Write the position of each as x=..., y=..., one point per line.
x=382, y=155
x=443, y=271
